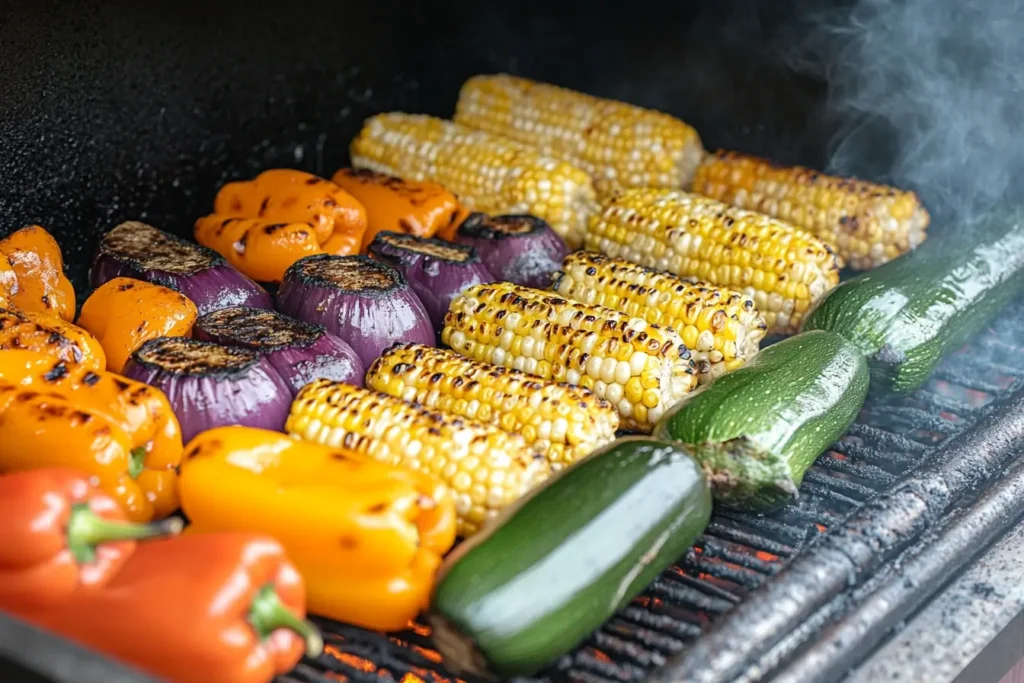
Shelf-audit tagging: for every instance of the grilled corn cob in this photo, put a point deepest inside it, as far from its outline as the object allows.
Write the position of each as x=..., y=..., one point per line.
x=618, y=144
x=641, y=369
x=785, y=270
x=722, y=328
x=485, y=468
x=867, y=223
x=489, y=173
x=562, y=421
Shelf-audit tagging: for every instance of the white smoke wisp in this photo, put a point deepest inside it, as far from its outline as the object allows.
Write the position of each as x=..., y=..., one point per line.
x=924, y=94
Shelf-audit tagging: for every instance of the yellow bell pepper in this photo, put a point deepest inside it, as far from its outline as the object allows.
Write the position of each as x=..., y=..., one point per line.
x=123, y=432
x=367, y=537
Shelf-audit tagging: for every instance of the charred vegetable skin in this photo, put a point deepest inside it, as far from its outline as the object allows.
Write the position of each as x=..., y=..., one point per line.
x=60, y=536
x=559, y=564
x=299, y=352
x=523, y=250
x=140, y=251
x=364, y=302
x=210, y=385
x=260, y=248
x=722, y=328
x=124, y=314
x=38, y=269
x=118, y=430
x=562, y=421
x=396, y=205
x=367, y=537
x=757, y=430
x=906, y=315
x=437, y=271
x=640, y=369
x=50, y=336
x=869, y=224
x=286, y=195
x=226, y=607
x=485, y=468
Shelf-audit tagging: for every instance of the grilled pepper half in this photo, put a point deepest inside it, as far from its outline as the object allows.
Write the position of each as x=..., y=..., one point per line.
x=368, y=537
x=121, y=431
x=37, y=263
x=52, y=336
x=196, y=609
x=60, y=535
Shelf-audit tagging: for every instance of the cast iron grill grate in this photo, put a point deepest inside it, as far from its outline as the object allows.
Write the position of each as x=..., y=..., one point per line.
x=738, y=552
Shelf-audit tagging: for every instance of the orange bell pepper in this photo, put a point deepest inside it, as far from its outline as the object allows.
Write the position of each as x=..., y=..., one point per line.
x=261, y=249
x=61, y=536
x=124, y=314
x=51, y=336
x=285, y=195
x=39, y=267
x=8, y=281
x=203, y=608
x=416, y=208
x=118, y=430
x=368, y=537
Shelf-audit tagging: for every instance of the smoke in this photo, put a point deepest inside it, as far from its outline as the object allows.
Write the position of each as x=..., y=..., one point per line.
x=924, y=94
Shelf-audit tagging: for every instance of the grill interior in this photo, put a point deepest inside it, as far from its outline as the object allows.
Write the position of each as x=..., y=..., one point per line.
x=739, y=552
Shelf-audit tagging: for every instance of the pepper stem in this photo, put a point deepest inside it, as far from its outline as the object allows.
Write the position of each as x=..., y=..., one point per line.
x=136, y=462
x=268, y=614
x=87, y=530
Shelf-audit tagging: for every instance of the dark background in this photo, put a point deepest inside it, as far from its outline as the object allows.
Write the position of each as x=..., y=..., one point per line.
x=140, y=110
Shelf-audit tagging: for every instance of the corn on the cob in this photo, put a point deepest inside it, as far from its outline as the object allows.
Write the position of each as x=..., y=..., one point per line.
x=784, y=269
x=722, y=328
x=618, y=144
x=641, y=369
x=489, y=173
x=869, y=224
x=485, y=467
x=562, y=421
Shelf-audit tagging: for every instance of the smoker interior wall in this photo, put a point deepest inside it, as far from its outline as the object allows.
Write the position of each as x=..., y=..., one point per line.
x=121, y=109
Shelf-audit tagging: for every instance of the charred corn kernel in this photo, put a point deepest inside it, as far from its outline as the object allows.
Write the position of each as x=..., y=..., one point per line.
x=485, y=467
x=124, y=314
x=49, y=335
x=262, y=249
x=618, y=144
x=285, y=195
x=397, y=205
x=869, y=224
x=38, y=266
x=591, y=346
x=721, y=327
x=696, y=237
x=489, y=173
x=561, y=421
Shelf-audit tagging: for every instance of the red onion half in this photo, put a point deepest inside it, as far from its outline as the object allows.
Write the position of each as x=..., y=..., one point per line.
x=437, y=271
x=300, y=352
x=521, y=249
x=211, y=385
x=140, y=251
x=365, y=302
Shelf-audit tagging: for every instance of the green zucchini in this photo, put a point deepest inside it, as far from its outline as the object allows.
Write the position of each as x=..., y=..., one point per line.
x=555, y=566
x=756, y=430
x=907, y=314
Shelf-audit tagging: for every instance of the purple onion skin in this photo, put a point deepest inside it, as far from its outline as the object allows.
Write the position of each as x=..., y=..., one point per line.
x=326, y=358
x=210, y=289
x=436, y=282
x=255, y=397
x=368, y=320
x=528, y=260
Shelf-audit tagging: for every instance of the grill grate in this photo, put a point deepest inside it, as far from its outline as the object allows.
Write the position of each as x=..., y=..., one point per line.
x=738, y=552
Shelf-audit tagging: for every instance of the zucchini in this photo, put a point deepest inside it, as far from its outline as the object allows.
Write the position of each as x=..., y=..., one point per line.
x=906, y=315
x=560, y=562
x=756, y=430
